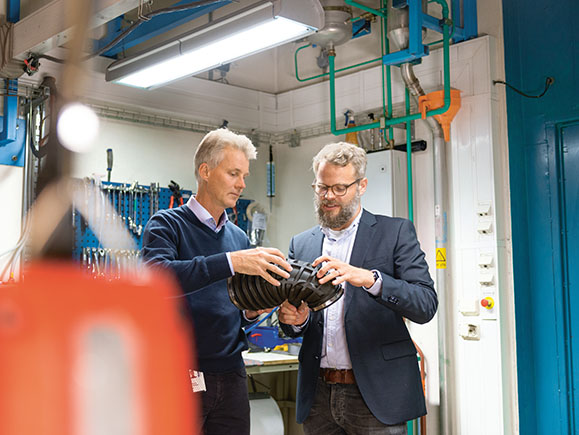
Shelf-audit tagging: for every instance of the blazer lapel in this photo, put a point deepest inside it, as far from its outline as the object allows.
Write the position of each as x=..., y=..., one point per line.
x=314, y=249
x=364, y=235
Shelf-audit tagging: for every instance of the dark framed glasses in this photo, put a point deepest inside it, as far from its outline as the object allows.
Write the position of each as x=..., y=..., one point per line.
x=337, y=189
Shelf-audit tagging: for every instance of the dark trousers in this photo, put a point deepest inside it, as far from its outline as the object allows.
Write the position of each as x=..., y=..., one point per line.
x=225, y=404
x=339, y=409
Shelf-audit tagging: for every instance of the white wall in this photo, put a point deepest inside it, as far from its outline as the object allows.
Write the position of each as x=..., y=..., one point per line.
x=11, y=181
x=141, y=153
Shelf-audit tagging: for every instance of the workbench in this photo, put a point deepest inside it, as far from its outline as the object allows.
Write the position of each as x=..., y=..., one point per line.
x=277, y=372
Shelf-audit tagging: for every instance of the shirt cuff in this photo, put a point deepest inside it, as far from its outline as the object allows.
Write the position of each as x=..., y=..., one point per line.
x=249, y=320
x=228, y=254
x=300, y=328
x=376, y=287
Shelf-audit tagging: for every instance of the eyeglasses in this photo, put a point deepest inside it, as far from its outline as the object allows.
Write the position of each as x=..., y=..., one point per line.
x=337, y=189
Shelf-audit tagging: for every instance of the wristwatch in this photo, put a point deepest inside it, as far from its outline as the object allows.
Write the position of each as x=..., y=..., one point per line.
x=376, y=276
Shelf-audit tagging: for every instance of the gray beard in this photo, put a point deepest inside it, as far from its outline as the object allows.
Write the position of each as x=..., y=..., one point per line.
x=345, y=214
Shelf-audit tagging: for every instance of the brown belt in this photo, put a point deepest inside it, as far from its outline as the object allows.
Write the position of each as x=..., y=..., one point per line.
x=335, y=376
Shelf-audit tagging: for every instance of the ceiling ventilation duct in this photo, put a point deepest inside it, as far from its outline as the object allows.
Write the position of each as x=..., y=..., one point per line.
x=338, y=26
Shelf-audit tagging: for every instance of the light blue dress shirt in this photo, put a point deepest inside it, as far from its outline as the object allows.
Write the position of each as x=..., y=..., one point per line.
x=339, y=244
x=205, y=217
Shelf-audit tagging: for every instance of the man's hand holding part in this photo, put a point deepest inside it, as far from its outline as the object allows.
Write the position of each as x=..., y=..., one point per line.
x=291, y=315
x=261, y=261
x=252, y=315
x=338, y=272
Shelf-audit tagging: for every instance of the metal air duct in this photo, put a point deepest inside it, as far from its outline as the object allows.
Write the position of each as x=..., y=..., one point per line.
x=398, y=22
x=338, y=26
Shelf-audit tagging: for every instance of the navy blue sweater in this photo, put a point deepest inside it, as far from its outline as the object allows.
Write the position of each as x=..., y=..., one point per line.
x=175, y=239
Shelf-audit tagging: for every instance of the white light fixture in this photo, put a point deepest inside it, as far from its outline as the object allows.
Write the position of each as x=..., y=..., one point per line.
x=258, y=27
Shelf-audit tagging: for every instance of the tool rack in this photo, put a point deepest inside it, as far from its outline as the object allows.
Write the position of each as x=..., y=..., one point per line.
x=134, y=204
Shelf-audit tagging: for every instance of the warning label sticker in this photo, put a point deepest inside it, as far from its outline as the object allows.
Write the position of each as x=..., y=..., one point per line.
x=441, y=258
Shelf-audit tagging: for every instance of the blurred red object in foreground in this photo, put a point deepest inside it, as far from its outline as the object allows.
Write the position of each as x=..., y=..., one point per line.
x=86, y=356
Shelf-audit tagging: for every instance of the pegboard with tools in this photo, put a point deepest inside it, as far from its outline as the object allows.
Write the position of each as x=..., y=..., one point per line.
x=238, y=214
x=133, y=203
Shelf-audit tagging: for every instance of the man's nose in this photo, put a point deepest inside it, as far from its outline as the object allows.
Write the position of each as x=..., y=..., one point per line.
x=329, y=194
x=241, y=183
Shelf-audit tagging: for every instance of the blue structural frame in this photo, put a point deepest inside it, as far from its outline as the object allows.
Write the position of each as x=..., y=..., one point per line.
x=11, y=143
x=12, y=151
x=417, y=20
x=465, y=20
x=154, y=27
x=546, y=324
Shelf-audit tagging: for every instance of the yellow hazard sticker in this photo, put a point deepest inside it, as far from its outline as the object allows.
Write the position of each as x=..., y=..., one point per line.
x=441, y=258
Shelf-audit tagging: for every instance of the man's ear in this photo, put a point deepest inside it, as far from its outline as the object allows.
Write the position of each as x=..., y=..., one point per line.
x=204, y=171
x=363, y=185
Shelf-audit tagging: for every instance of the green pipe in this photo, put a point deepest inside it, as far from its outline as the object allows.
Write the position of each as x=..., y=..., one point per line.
x=382, y=51
x=365, y=8
x=409, y=159
x=325, y=74
x=388, y=73
x=409, y=117
x=333, y=128
x=446, y=58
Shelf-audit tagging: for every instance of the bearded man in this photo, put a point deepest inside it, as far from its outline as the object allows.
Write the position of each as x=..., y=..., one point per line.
x=358, y=369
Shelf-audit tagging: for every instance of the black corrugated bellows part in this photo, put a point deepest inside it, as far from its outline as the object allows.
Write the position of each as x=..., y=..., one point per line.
x=249, y=292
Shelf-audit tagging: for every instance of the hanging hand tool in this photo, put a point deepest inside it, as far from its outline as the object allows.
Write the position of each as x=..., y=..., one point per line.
x=176, y=197
x=139, y=217
x=156, y=196
x=109, y=163
x=270, y=182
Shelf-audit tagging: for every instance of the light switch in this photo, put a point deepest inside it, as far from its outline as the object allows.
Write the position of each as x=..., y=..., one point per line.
x=486, y=278
x=483, y=209
x=484, y=227
x=469, y=307
x=469, y=331
x=485, y=261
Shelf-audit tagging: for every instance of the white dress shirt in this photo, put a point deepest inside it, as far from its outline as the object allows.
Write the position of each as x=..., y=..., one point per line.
x=339, y=244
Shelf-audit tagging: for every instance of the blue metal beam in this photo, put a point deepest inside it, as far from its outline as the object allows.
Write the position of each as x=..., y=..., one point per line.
x=464, y=19
x=8, y=134
x=10, y=118
x=13, y=12
x=156, y=26
x=12, y=153
x=416, y=49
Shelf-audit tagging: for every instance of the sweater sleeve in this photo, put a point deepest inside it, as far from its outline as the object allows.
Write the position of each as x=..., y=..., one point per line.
x=160, y=241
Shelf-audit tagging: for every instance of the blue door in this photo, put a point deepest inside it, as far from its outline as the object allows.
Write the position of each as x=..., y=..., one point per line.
x=568, y=135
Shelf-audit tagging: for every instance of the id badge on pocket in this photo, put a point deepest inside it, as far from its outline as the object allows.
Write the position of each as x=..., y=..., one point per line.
x=197, y=381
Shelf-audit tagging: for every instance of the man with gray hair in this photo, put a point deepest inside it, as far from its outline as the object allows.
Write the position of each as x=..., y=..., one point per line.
x=202, y=248
x=358, y=369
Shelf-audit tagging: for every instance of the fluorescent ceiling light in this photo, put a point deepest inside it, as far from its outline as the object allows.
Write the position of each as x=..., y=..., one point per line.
x=263, y=25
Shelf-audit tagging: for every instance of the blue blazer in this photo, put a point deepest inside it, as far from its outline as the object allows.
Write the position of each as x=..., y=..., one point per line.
x=381, y=350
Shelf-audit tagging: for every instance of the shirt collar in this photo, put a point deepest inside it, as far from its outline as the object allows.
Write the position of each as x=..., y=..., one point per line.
x=204, y=216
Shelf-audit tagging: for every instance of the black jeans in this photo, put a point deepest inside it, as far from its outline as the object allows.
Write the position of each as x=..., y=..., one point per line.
x=225, y=404
x=339, y=409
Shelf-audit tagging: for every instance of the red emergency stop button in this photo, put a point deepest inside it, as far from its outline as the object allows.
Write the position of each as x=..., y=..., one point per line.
x=487, y=302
